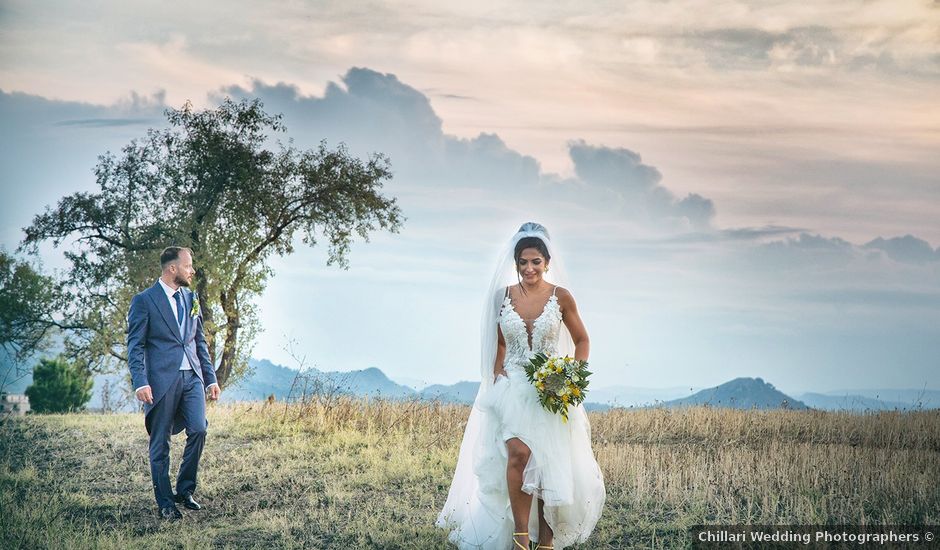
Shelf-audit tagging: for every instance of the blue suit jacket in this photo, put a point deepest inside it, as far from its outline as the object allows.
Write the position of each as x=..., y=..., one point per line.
x=155, y=347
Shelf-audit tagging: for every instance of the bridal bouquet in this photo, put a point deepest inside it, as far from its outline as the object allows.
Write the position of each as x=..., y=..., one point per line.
x=560, y=381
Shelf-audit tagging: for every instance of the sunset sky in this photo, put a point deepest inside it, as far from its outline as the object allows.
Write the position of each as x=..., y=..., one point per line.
x=739, y=189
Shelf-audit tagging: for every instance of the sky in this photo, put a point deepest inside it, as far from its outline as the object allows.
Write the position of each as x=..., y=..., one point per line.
x=738, y=189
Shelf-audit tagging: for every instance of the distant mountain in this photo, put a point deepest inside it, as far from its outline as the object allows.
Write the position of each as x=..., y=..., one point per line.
x=856, y=403
x=370, y=382
x=268, y=378
x=412, y=383
x=461, y=392
x=600, y=399
x=627, y=396
x=740, y=393
x=910, y=398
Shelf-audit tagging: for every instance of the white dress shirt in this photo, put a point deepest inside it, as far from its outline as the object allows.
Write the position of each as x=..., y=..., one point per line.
x=184, y=365
x=170, y=291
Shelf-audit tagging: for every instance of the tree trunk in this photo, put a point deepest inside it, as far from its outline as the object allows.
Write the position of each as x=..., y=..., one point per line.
x=231, y=338
x=208, y=317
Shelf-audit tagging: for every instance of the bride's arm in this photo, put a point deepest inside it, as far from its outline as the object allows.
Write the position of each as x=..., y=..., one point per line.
x=572, y=320
x=500, y=355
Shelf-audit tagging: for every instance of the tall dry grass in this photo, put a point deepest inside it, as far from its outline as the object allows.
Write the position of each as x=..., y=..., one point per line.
x=346, y=473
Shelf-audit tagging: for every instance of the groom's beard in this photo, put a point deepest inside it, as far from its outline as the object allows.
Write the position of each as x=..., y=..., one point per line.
x=180, y=281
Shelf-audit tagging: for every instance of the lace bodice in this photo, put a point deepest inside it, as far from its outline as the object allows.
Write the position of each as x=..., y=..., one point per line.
x=545, y=331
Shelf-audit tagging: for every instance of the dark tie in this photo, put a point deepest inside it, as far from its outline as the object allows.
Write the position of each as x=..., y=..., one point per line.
x=179, y=306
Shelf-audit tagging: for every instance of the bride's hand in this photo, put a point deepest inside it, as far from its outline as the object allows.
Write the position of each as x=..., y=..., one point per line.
x=500, y=372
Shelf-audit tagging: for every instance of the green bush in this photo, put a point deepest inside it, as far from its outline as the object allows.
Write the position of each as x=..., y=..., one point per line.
x=59, y=387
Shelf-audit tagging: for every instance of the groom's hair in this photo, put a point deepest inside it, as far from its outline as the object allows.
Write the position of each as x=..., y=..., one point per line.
x=172, y=253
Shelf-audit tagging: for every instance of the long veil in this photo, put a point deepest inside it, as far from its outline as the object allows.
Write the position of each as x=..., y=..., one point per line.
x=468, y=502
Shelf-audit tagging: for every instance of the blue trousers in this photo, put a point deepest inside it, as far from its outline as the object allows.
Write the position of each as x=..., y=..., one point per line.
x=187, y=398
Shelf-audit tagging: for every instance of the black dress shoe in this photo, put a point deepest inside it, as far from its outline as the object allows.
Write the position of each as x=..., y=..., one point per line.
x=186, y=499
x=171, y=513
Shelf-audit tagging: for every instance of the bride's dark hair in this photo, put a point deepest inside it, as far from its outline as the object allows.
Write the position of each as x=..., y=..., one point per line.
x=529, y=242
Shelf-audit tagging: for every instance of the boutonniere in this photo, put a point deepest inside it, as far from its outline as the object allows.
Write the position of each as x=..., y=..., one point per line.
x=195, y=310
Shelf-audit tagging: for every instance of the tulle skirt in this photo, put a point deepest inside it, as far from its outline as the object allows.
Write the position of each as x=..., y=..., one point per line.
x=561, y=470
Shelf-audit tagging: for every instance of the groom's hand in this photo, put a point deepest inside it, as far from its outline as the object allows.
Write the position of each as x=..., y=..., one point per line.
x=214, y=392
x=145, y=394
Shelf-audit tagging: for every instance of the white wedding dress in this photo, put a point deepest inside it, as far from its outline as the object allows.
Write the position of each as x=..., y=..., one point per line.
x=561, y=470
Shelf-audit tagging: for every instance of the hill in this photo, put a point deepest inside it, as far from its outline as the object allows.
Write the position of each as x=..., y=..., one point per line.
x=911, y=398
x=461, y=392
x=265, y=379
x=740, y=393
x=268, y=378
x=629, y=396
x=851, y=402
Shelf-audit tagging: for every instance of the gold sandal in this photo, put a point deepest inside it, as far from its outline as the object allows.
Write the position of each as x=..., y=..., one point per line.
x=541, y=546
x=514, y=541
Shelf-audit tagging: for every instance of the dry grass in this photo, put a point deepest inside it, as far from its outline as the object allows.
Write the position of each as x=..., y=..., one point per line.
x=353, y=474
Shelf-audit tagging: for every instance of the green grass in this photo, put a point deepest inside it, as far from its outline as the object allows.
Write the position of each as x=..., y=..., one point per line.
x=350, y=474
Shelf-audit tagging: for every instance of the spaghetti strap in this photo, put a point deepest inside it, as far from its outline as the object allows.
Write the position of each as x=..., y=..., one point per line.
x=554, y=290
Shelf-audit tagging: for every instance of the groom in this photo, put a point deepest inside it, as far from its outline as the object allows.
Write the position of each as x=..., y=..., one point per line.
x=171, y=373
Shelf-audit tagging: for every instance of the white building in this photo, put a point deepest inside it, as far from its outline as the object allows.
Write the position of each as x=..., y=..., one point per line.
x=12, y=403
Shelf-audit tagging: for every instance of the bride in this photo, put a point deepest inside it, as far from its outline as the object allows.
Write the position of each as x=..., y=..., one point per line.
x=515, y=452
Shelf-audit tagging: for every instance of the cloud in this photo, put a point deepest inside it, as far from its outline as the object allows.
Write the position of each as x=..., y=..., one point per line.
x=366, y=110
x=634, y=244
x=734, y=47
x=101, y=122
x=753, y=233
x=736, y=234
x=458, y=97
x=899, y=49
x=30, y=113
x=754, y=48
x=728, y=83
x=371, y=111
x=48, y=149
x=806, y=251
x=620, y=168
x=374, y=111
x=873, y=298
x=638, y=185
x=906, y=249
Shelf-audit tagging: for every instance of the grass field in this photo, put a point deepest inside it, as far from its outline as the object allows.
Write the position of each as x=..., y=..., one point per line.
x=351, y=474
